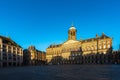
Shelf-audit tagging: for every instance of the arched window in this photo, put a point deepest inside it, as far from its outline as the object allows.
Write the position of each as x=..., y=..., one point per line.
x=71, y=33
x=104, y=52
x=92, y=48
x=104, y=46
x=95, y=47
x=108, y=45
x=100, y=47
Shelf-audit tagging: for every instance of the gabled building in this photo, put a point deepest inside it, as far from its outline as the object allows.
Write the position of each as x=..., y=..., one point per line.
x=32, y=56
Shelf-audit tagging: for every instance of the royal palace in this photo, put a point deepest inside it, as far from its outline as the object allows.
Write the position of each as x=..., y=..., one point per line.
x=73, y=47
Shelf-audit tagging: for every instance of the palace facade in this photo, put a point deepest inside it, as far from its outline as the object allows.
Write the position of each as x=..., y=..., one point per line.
x=73, y=47
x=11, y=54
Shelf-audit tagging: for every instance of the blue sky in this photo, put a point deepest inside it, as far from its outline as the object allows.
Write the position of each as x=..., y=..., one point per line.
x=43, y=22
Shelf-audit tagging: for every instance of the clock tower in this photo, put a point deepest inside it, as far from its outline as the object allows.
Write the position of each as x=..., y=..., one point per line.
x=72, y=33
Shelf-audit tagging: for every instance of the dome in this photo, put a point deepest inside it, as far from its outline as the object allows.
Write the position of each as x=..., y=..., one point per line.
x=72, y=27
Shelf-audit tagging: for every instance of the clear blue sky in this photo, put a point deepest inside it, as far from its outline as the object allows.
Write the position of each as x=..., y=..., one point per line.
x=43, y=22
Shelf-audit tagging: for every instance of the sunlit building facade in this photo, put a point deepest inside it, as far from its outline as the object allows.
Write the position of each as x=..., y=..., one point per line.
x=32, y=56
x=66, y=51
x=11, y=54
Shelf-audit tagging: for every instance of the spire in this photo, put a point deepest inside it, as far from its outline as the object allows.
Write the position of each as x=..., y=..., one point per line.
x=72, y=27
x=72, y=24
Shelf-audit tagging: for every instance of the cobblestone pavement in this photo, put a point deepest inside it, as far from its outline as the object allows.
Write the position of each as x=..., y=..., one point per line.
x=61, y=72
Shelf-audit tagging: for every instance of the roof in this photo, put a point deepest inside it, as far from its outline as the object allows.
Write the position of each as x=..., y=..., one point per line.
x=9, y=41
x=54, y=45
x=40, y=51
x=75, y=41
x=101, y=37
x=70, y=41
x=72, y=27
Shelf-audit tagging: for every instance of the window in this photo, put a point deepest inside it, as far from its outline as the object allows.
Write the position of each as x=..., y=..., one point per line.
x=73, y=58
x=4, y=58
x=72, y=54
x=104, y=42
x=18, y=58
x=92, y=48
x=0, y=46
x=108, y=41
x=9, y=49
x=14, y=50
x=96, y=48
x=4, y=50
x=100, y=47
x=84, y=49
x=108, y=45
x=104, y=46
x=4, y=55
x=9, y=56
x=104, y=52
x=76, y=54
x=4, y=46
x=88, y=48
